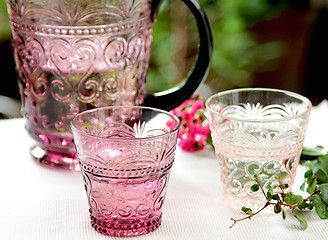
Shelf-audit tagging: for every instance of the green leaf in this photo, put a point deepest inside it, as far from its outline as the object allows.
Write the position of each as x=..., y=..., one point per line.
x=290, y=194
x=308, y=173
x=317, y=201
x=323, y=161
x=311, y=164
x=277, y=208
x=302, y=187
x=311, y=187
x=275, y=197
x=310, y=206
x=287, y=200
x=322, y=175
x=321, y=168
x=248, y=211
x=255, y=187
x=296, y=199
x=245, y=209
x=301, y=220
x=269, y=195
x=283, y=214
x=320, y=207
x=309, y=153
x=303, y=205
x=286, y=186
x=323, y=192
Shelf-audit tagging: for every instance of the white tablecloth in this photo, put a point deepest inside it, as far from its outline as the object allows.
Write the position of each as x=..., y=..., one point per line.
x=41, y=203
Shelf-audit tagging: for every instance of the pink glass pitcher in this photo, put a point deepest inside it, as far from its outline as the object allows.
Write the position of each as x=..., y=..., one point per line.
x=77, y=55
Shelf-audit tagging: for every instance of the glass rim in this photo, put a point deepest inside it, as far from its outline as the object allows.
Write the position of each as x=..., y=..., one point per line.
x=73, y=127
x=272, y=90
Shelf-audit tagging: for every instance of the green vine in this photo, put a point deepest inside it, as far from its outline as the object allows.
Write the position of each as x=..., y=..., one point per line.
x=315, y=184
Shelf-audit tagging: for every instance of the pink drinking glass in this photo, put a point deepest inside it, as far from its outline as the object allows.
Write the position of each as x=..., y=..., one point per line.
x=125, y=154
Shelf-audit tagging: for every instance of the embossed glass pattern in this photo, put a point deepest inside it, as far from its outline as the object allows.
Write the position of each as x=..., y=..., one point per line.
x=125, y=154
x=256, y=131
x=77, y=55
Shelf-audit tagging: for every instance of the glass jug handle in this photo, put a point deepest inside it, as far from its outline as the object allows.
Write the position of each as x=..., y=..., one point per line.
x=171, y=98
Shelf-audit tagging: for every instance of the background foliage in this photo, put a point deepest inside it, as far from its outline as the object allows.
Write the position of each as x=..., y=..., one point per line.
x=237, y=54
x=4, y=25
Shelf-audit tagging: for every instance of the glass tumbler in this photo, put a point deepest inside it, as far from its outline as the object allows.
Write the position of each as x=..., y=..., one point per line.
x=125, y=154
x=256, y=132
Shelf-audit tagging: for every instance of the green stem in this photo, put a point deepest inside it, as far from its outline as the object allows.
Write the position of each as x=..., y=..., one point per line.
x=249, y=216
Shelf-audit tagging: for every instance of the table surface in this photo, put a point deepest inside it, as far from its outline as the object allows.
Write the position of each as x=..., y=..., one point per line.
x=41, y=203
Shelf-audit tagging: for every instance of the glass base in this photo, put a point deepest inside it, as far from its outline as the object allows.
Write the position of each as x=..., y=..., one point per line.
x=118, y=229
x=55, y=160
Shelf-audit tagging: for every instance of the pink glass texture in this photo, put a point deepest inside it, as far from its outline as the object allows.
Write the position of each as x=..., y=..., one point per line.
x=76, y=55
x=256, y=132
x=125, y=154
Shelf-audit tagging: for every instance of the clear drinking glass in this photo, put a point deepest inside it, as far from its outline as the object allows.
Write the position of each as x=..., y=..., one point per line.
x=82, y=54
x=256, y=131
x=125, y=154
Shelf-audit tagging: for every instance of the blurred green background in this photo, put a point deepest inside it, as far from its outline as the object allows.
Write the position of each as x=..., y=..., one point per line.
x=237, y=53
x=257, y=43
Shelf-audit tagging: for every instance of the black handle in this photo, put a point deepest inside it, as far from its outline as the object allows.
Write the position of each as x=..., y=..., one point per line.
x=173, y=97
